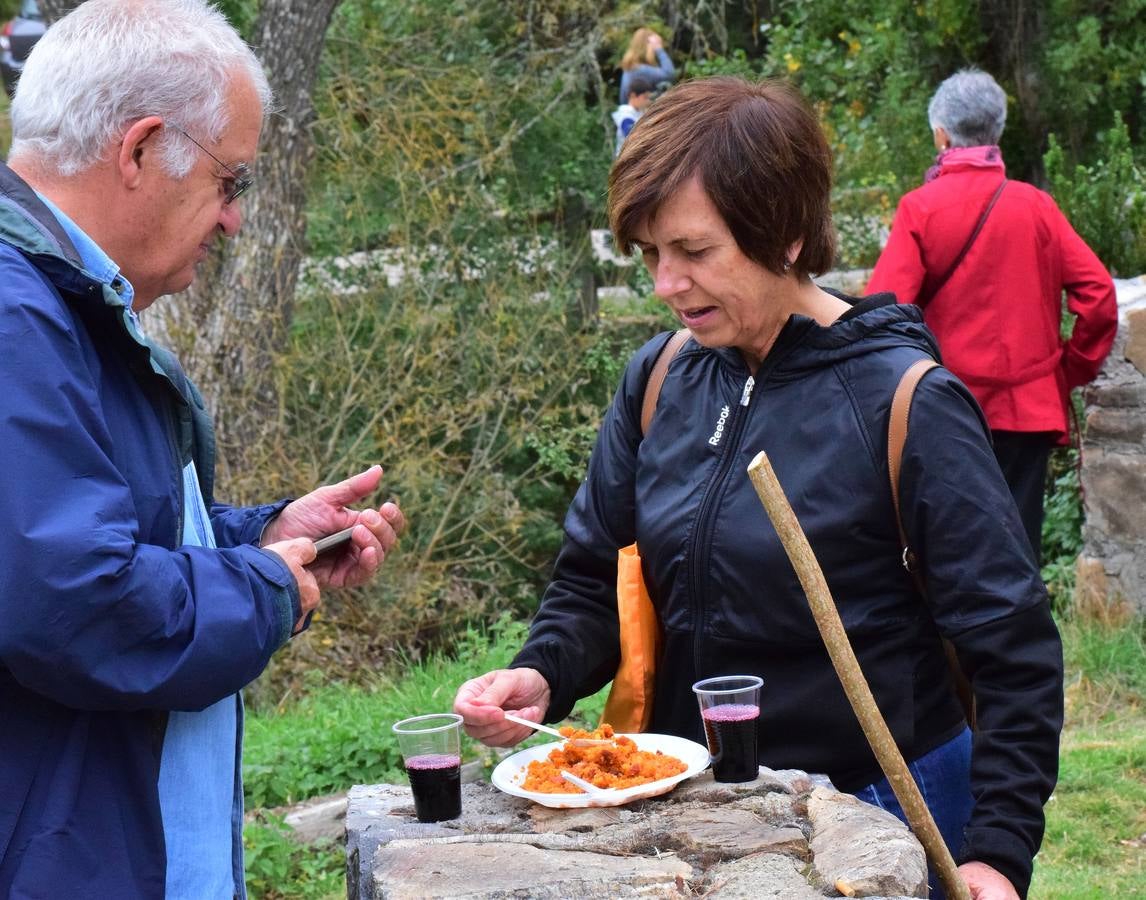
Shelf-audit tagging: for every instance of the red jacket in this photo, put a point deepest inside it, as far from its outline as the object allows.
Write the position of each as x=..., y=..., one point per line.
x=997, y=316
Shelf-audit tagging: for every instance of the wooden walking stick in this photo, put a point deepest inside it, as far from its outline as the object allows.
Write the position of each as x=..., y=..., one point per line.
x=851, y=677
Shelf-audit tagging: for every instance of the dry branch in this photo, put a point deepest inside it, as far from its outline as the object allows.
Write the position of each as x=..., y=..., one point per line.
x=851, y=676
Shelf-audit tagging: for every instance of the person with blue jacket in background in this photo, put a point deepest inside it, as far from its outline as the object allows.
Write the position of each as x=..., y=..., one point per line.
x=135, y=606
x=647, y=58
x=626, y=115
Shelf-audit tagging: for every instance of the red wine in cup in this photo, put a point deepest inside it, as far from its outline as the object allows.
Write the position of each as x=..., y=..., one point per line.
x=436, y=781
x=731, y=732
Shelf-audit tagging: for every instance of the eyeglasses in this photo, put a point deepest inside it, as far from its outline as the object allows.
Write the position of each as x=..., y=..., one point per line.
x=240, y=177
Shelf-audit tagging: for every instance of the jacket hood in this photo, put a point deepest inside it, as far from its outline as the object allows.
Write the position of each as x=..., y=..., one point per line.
x=874, y=323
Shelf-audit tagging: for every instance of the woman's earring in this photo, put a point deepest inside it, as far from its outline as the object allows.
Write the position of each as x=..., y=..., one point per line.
x=787, y=265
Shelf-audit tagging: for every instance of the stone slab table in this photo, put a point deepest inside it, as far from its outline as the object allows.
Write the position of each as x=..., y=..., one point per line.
x=786, y=835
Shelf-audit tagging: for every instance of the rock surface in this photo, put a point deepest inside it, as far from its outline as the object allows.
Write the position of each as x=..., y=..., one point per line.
x=1111, y=573
x=785, y=835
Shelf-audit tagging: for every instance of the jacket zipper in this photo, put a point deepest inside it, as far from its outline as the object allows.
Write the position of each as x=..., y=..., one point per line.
x=700, y=543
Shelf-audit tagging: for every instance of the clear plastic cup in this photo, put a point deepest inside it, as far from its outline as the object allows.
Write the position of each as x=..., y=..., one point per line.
x=431, y=753
x=730, y=709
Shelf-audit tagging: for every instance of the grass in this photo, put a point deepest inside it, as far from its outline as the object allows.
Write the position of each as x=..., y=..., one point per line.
x=1095, y=844
x=339, y=735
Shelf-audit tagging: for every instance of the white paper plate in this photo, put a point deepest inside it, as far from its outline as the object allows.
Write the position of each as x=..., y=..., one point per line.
x=510, y=773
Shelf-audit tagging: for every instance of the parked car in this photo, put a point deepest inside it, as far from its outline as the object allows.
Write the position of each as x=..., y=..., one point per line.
x=17, y=38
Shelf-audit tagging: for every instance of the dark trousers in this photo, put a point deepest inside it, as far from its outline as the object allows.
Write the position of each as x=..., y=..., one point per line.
x=1023, y=457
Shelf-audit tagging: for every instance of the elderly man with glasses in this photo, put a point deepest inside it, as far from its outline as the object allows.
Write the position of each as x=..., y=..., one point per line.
x=134, y=606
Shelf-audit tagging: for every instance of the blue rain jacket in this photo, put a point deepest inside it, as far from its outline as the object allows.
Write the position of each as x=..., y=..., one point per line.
x=106, y=622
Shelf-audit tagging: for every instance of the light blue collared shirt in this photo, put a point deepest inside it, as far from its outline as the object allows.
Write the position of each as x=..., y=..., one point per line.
x=200, y=774
x=96, y=263
x=200, y=771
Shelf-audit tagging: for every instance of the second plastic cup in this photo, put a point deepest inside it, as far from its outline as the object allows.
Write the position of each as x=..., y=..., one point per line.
x=730, y=708
x=431, y=751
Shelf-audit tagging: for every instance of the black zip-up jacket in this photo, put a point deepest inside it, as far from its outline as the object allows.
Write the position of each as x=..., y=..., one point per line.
x=729, y=601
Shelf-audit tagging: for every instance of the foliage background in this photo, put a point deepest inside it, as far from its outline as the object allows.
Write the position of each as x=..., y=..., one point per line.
x=467, y=144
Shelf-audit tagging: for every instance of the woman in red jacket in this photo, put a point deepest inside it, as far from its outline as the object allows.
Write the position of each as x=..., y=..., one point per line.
x=988, y=260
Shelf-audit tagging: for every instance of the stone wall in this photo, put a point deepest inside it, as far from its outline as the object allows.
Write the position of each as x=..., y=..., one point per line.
x=1112, y=568
x=786, y=835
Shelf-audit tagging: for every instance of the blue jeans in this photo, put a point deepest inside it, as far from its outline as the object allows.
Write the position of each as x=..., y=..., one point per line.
x=944, y=780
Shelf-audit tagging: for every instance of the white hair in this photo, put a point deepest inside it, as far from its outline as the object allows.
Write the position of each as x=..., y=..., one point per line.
x=109, y=63
x=971, y=107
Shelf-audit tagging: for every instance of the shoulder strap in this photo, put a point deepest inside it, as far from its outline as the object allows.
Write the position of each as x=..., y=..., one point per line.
x=924, y=299
x=657, y=377
x=896, y=437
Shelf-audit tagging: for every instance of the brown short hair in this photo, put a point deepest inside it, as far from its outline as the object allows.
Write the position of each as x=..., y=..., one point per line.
x=760, y=155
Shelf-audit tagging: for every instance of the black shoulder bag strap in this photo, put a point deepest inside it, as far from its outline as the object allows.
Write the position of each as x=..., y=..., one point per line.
x=925, y=296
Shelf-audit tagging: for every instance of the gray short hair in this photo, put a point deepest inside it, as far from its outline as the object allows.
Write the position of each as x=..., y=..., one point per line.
x=109, y=63
x=971, y=107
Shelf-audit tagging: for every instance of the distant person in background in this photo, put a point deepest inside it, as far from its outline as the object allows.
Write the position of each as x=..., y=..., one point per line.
x=625, y=116
x=647, y=58
x=988, y=260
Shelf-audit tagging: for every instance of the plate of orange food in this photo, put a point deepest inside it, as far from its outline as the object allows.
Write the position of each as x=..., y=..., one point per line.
x=625, y=767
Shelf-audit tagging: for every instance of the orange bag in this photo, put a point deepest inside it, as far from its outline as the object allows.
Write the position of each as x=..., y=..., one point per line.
x=630, y=704
x=629, y=707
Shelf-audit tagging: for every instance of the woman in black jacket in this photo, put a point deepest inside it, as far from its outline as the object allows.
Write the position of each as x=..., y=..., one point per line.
x=724, y=187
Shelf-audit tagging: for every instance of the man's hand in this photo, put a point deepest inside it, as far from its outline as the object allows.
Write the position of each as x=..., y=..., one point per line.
x=987, y=883
x=482, y=702
x=326, y=510
x=298, y=554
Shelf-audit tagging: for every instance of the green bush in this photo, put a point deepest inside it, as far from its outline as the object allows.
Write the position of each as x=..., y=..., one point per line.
x=459, y=153
x=1062, y=526
x=1090, y=68
x=481, y=404
x=427, y=133
x=1105, y=201
x=277, y=867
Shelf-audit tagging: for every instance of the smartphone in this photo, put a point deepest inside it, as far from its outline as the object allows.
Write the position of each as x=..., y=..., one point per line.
x=332, y=541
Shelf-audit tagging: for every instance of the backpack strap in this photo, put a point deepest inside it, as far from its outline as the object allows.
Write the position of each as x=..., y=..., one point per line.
x=896, y=438
x=657, y=377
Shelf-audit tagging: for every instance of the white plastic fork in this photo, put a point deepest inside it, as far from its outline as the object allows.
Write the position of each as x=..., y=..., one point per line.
x=587, y=786
x=577, y=742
